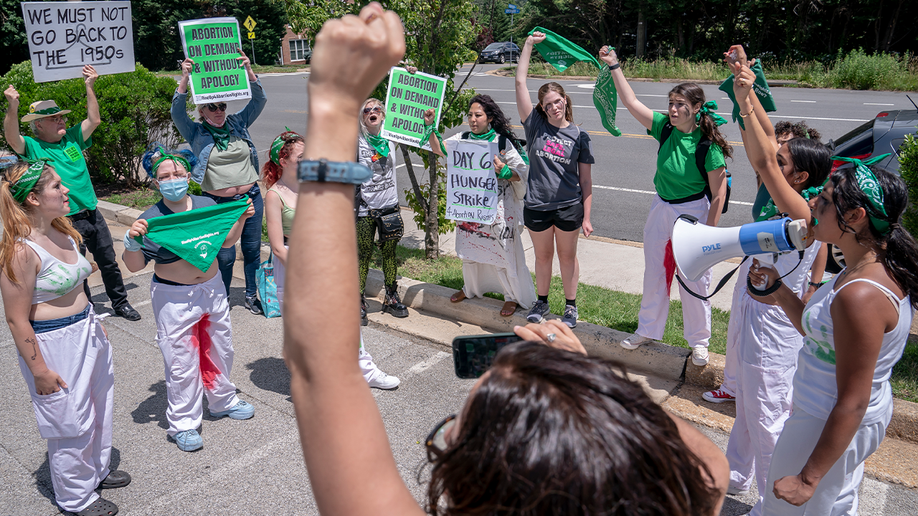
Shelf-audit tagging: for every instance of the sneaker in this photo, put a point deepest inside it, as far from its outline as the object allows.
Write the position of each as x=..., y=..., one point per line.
x=736, y=491
x=253, y=305
x=570, y=316
x=189, y=440
x=241, y=410
x=127, y=311
x=700, y=356
x=635, y=341
x=717, y=396
x=537, y=314
x=384, y=381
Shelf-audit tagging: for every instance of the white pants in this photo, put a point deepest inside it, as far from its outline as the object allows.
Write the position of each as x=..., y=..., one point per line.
x=515, y=285
x=836, y=493
x=280, y=274
x=734, y=330
x=194, y=334
x=696, y=314
x=77, y=420
x=367, y=366
x=766, y=351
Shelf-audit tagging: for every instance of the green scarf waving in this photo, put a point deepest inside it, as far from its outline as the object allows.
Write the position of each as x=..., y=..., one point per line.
x=760, y=87
x=561, y=53
x=197, y=235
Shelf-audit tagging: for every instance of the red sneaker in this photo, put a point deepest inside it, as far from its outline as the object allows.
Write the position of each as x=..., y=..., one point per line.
x=717, y=396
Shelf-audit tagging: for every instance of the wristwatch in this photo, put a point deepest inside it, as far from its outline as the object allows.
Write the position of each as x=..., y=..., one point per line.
x=335, y=171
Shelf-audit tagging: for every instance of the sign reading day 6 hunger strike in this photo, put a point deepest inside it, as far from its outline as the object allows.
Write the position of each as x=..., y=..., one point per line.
x=409, y=96
x=471, y=184
x=66, y=36
x=213, y=44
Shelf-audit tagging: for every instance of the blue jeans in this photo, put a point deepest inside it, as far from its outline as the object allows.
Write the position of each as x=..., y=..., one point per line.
x=250, y=242
x=56, y=324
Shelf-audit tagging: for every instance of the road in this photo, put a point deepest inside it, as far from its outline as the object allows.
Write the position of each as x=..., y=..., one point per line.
x=623, y=173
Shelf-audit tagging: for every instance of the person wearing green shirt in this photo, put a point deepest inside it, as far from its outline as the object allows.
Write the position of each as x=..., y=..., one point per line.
x=64, y=147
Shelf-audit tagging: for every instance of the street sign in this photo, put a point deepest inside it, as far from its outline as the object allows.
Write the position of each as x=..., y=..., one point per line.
x=251, y=35
x=512, y=6
x=250, y=24
x=512, y=10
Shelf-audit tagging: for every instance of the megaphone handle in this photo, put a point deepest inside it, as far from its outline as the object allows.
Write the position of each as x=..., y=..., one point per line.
x=762, y=293
x=720, y=285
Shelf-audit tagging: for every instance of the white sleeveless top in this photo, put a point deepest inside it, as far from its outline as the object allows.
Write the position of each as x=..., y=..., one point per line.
x=56, y=278
x=815, y=387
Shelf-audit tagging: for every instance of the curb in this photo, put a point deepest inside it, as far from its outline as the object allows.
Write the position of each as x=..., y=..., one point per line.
x=777, y=83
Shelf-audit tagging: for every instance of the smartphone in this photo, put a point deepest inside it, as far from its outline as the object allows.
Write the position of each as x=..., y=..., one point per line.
x=474, y=354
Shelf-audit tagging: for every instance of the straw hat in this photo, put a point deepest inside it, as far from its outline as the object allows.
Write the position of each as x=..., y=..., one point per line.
x=43, y=109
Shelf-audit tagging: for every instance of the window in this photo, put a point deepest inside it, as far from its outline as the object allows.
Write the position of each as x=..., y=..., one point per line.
x=298, y=48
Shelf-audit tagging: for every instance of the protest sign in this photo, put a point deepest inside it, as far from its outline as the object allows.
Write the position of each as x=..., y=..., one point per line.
x=409, y=96
x=213, y=44
x=65, y=36
x=471, y=184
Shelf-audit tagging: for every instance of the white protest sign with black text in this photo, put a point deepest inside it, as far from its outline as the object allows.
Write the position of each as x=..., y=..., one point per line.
x=65, y=36
x=471, y=184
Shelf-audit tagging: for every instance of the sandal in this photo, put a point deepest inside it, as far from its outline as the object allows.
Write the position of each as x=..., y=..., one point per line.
x=509, y=308
x=101, y=507
x=115, y=479
x=458, y=296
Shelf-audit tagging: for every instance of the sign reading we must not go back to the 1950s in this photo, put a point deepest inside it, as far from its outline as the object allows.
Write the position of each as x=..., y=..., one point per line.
x=65, y=36
x=214, y=46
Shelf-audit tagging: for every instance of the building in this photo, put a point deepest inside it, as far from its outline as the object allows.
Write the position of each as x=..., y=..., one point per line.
x=295, y=48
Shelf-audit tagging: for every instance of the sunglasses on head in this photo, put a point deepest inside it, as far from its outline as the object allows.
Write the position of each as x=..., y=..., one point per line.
x=216, y=107
x=374, y=109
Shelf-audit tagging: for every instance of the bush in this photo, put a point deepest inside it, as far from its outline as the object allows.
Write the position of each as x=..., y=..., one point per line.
x=134, y=109
x=880, y=71
x=908, y=169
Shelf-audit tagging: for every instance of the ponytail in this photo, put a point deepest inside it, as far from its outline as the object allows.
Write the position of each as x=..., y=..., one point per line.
x=695, y=96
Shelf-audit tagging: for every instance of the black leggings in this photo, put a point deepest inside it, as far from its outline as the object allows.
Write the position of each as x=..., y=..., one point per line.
x=366, y=231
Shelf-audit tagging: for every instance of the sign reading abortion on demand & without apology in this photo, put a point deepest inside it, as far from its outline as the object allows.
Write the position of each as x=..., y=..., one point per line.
x=409, y=96
x=66, y=36
x=471, y=184
x=213, y=44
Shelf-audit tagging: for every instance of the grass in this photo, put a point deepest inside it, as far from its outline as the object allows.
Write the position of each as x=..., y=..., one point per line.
x=905, y=374
x=139, y=199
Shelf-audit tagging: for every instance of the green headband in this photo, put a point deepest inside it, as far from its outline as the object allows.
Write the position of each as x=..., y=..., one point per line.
x=164, y=157
x=21, y=188
x=279, y=142
x=868, y=184
x=708, y=109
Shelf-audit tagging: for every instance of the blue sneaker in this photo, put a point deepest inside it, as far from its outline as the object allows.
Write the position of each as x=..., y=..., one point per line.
x=537, y=314
x=189, y=440
x=241, y=410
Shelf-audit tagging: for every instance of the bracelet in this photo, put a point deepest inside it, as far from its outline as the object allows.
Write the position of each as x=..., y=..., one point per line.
x=505, y=172
x=814, y=284
x=129, y=243
x=615, y=66
x=322, y=171
x=747, y=114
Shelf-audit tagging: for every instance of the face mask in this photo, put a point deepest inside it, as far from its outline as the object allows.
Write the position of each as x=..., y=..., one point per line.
x=174, y=189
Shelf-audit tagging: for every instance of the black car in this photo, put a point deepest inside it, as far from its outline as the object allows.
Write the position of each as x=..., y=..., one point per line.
x=884, y=134
x=500, y=53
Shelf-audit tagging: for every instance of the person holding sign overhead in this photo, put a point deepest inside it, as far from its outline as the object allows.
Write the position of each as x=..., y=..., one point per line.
x=560, y=190
x=192, y=314
x=227, y=168
x=493, y=259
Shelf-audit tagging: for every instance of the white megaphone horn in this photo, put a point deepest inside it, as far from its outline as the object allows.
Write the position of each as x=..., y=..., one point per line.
x=697, y=247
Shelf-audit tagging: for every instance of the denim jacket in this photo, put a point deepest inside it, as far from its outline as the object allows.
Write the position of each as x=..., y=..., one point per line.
x=201, y=140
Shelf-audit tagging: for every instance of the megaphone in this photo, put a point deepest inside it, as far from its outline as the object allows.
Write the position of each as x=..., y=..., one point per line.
x=697, y=247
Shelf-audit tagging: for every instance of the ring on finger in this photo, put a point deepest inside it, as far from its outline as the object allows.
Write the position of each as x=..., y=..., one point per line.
x=551, y=337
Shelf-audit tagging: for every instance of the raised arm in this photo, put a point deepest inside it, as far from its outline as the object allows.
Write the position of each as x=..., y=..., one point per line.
x=523, y=100
x=342, y=434
x=736, y=54
x=640, y=112
x=93, y=118
x=257, y=103
x=11, y=121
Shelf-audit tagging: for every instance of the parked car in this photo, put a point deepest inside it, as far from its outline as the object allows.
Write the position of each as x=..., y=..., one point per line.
x=884, y=134
x=500, y=53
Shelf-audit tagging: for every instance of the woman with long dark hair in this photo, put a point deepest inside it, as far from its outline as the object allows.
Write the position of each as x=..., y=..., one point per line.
x=682, y=188
x=855, y=328
x=493, y=259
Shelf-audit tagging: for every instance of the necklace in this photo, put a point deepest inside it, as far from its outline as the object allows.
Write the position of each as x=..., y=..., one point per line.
x=863, y=263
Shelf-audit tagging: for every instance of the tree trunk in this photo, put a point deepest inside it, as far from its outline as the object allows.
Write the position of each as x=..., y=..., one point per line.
x=415, y=187
x=641, y=34
x=432, y=237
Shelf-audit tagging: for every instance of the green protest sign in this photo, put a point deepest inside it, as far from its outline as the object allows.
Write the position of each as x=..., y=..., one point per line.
x=213, y=44
x=409, y=96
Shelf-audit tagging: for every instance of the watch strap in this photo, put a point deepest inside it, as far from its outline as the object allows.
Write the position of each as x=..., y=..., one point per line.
x=322, y=171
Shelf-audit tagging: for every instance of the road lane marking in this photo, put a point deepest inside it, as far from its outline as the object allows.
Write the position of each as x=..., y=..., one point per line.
x=877, y=104
x=804, y=101
x=647, y=192
x=420, y=367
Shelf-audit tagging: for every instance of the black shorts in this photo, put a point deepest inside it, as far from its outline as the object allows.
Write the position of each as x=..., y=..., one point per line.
x=565, y=219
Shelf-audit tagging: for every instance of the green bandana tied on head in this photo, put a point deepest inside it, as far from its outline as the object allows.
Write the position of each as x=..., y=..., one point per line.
x=561, y=53
x=760, y=87
x=196, y=236
x=164, y=157
x=279, y=142
x=429, y=130
x=21, y=188
x=770, y=210
x=381, y=144
x=708, y=109
x=868, y=184
x=221, y=135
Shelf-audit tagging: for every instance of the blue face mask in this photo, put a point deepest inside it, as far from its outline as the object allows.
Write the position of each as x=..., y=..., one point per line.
x=174, y=189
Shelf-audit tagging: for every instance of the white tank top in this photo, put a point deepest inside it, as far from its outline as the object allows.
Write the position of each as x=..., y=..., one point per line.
x=56, y=278
x=815, y=387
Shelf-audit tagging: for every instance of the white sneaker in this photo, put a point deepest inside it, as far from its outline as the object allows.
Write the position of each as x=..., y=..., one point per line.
x=635, y=341
x=700, y=356
x=384, y=381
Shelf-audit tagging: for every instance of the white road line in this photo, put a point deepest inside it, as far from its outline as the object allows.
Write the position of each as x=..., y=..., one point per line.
x=420, y=367
x=646, y=192
x=804, y=101
x=877, y=104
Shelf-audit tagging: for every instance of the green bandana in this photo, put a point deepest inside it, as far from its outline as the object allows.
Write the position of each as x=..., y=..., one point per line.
x=770, y=210
x=164, y=157
x=279, y=142
x=47, y=111
x=381, y=144
x=221, y=135
x=21, y=188
x=868, y=184
x=429, y=130
x=760, y=87
x=561, y=53
x=484, y=136
x=708, y=109
x=196, y=236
